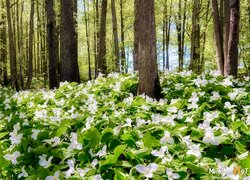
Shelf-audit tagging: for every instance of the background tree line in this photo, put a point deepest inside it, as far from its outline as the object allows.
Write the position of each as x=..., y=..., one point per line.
x=57, y=40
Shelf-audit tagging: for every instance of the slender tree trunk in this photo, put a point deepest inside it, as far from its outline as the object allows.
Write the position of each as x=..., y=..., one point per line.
x=164, y=21
x=38, y=53
x=96, y=37
x=115, y=34
x=204, y=37
x=123, y=53
x=148, y=72
x=31, y=37
x=3, y=48
x=102, y=67
x=51, y=40
x=168, y=25
x=180, y=26
x=195, y=38
x=231, y=64
x=226, y=26
x=68, y=46
x=136, y=39
x=86, y=18
x=218, y=36
x=12, y=49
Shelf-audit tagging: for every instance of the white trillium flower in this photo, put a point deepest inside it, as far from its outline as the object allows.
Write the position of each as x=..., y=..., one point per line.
x=172, y=109
x=171, y=175
x=147, y=170
x=102, y=152
x=128, y=123
x=211, y=116
x=53, y=141
x=94, y=163
x=83, y=172
x=160, y=153
x=43, y=162
x=140, y=122
x=167, y=138
x=23, y=173
x=34, y=134
x=74, y=143
x=12, y=157
x=97, y=177
x=210, y=138
x=15, y=138
x=187, y=140
x=54, y=177
x=215, y=96
x=71, y=170
x=194, y=149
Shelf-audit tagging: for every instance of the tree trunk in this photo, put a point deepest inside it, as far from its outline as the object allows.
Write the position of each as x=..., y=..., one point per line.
x=12, y=49
x=68, y=43
x=31, y=36
x=102, y=66
x=180, y=27
x=123, y=53
x=226, y=26
x=231, y=63
x=86, y=18
x=195, y=38
x=3, y=49
x=115, y=34
x=148, y=72
x=136, y=39
x=96, y=34
x=218, y=36
x=168, y=26
x=51, y=41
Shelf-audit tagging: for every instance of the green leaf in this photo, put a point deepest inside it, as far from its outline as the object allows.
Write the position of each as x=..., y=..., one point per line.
x=241, y=148
x=3, y=134
x=120, y=175
x=150, y=141
x=195, y=168
x=118, y=151
x=235, y=125
x=128, y=139
x=107, y=135
x=40, y=150
x=93, y=136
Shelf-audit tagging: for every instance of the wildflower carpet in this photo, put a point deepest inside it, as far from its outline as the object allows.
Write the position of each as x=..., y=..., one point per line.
x=102, y=130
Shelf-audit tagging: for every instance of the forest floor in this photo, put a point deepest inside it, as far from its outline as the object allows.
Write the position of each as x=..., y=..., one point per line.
x=102, y=130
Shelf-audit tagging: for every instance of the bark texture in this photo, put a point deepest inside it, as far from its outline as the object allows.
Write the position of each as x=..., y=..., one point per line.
x=148, y=72
x=51, y=41
x=68, y=43
x=231, y=63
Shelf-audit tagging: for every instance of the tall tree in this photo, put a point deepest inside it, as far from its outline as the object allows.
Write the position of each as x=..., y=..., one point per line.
x=86, y=18
x=123, y=53
x=101, y=64
x=12, y=49
x=96, y=33
x=31, y=38
x=231, y=62
x=218, y=36
x=115, y=36
x=68, y=43
x=195, y=37
x=51, y=40
x=3, y=49
x=181, y=27
x=148, y=72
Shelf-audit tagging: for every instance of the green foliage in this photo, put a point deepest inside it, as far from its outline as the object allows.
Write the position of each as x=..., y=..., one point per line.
x=199, y=130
